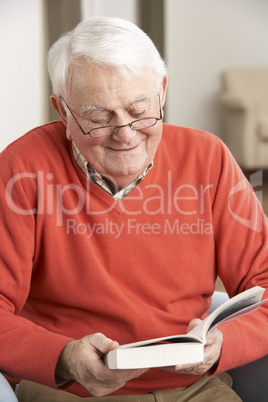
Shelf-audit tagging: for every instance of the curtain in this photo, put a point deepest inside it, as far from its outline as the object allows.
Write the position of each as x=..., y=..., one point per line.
x=60, y=16
x=151, y=20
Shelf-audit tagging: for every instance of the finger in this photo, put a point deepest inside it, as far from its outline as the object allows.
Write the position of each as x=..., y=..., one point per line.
x=104, y=345
x=197, y=369
x=95, y=365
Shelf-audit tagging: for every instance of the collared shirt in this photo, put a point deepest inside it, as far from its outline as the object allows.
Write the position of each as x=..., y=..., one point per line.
x=98, y=179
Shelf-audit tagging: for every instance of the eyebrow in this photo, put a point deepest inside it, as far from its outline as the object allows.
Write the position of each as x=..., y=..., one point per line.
x=93, y=108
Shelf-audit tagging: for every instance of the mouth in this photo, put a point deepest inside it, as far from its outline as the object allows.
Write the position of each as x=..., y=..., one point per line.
x=124, y=149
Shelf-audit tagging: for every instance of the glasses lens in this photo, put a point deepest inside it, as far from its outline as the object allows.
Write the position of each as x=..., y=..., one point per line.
x=143, y=123
x=135, y=125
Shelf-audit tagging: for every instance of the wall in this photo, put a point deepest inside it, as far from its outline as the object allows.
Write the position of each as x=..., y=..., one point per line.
x=109, y=8
x=202, y=39
x=23, y=64
x=21, y=68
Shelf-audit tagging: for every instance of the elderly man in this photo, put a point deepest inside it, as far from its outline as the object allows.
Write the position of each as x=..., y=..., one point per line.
x=115, y=227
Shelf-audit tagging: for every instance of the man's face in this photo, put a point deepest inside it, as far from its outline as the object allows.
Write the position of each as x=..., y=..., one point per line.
x=101, y=97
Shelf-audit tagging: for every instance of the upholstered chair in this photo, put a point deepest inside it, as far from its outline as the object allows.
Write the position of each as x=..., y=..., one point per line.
x=244, y=102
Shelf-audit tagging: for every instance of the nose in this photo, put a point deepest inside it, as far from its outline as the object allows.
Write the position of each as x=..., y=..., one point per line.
x=124, y=133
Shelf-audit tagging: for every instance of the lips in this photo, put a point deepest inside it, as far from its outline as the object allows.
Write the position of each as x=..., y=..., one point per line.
x=124, y=149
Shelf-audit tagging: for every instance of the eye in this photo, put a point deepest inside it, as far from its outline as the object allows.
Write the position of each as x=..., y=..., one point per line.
x=138, y=114
x=99, y=120
x=140, y=109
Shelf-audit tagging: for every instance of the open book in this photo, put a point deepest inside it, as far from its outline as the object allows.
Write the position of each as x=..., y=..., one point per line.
x=183, y=349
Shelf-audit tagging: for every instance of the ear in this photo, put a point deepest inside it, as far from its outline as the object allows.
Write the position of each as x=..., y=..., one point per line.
x=57, y=105
x=163, y=90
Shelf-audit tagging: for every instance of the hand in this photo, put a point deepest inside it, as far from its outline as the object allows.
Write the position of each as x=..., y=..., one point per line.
x=212, y=353
x=81, y=361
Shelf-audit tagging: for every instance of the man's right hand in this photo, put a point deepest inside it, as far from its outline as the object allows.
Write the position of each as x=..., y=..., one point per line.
x=81, y=361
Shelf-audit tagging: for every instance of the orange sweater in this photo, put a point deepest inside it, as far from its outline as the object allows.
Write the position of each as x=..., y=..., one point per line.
x=74, y=261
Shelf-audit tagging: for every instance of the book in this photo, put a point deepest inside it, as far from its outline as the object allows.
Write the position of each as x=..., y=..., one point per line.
x=186, y=348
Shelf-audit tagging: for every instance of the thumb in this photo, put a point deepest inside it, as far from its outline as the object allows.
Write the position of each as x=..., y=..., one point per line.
x=193, y=324
x=102, y=343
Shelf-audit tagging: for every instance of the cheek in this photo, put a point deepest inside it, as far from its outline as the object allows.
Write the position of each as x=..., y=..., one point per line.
x=90, y=148
x=73, y=133
x=154, y=139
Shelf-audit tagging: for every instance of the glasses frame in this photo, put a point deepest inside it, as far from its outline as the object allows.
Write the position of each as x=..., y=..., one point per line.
x=116, y=127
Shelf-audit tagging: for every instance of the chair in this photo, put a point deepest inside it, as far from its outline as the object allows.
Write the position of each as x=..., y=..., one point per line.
x=244, y=103
x=249, y=381
x=6, y=392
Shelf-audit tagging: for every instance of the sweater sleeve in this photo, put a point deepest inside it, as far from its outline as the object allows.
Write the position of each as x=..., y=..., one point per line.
x=241, y=241
x=27, y=350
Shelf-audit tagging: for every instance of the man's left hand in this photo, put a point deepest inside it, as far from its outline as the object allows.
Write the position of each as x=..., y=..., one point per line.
x=212, y=353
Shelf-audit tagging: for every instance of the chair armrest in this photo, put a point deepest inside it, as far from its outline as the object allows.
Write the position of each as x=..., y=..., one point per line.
x=249, y=381
x=235, y=102
x=6, y=392
x=262, y=130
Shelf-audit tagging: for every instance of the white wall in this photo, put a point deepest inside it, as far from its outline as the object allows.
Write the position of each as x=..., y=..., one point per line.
x=202, y=39
x=109, y=8
x=21, y=68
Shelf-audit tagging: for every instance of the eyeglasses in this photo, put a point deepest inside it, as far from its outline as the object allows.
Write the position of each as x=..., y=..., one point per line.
x=104, y=131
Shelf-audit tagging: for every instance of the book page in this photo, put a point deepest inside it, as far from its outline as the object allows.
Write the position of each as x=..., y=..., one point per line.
x=235, y=307
x=238, y=313
x=239, y=305
x=166, y=339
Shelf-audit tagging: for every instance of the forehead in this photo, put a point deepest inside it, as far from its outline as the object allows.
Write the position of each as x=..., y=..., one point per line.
x=103, y=86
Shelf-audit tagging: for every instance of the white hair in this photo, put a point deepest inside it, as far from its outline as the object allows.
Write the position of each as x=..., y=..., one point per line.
x=103, y=42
